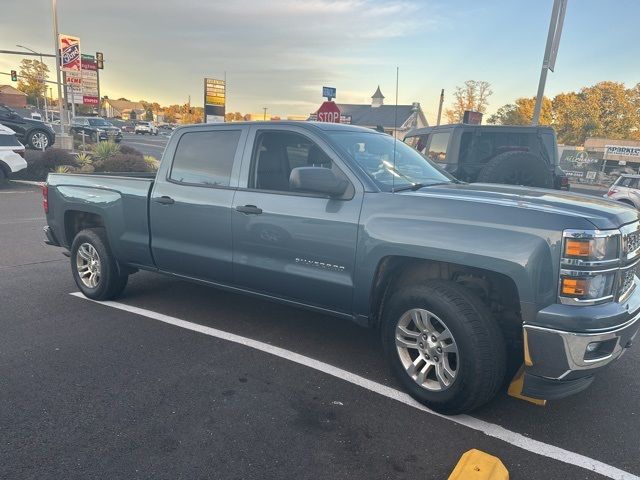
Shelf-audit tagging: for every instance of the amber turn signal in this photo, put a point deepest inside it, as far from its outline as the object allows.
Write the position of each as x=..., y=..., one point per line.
x=577, y=248
x=575, y=287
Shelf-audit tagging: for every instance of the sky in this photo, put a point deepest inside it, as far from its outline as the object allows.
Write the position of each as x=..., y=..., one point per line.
x=279, y=53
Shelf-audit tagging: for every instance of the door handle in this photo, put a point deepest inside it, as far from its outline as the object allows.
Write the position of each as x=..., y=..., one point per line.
x=164, y=200
x=249, y=209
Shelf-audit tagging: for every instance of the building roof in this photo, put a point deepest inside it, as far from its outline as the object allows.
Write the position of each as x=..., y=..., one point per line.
x=384, y=115
x=124, y=105
x=9, y=90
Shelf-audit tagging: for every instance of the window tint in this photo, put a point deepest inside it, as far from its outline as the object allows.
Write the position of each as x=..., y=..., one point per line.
x=627, y=182
x=419, y=142
x=8, y=141
x=278, y=153
x=438, y=147
x=205, y=158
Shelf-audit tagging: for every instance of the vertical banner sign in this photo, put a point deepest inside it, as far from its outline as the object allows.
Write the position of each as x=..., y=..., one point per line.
x=89, y=81
x=70, y=64
x=214, y=100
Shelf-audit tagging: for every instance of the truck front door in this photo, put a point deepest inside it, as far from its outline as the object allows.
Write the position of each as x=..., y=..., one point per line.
x=190, y=205
x=288, y=244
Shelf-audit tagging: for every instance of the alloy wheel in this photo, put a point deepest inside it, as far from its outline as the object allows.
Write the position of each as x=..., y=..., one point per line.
x=427, y=349
x=88, y=265
x=40, y=140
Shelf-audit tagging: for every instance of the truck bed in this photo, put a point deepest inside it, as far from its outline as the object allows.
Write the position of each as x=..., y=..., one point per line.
x=122, y=198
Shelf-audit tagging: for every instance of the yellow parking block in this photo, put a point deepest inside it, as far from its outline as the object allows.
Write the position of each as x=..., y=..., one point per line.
x=477, y=465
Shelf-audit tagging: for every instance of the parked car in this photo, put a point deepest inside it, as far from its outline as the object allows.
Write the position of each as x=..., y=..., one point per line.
x=128, y=127
x=34, y=133
x=466, y=282
x=515, y=155
x=626, y=189
x=146, y=128
x=95, y=129
x=11, y=154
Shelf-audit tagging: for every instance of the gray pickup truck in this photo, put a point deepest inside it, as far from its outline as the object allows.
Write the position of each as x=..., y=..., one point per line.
x=466, y=283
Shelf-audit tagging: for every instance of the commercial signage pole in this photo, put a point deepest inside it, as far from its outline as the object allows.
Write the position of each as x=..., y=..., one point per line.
x=550, y=53
x=56, y=48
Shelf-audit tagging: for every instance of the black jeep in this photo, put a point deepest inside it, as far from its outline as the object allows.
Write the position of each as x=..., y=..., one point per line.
x=516, y=155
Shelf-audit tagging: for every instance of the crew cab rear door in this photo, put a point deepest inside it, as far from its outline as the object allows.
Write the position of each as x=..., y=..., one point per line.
x=289, y=244
x=190, y=205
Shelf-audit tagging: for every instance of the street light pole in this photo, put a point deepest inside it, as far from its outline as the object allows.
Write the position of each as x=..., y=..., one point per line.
x=550, y=53
x=54, y=7
x=41, y=78
x=265, y=113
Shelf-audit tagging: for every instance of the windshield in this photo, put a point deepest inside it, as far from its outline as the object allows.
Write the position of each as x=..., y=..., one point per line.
x=374, y=153
x=99, y=122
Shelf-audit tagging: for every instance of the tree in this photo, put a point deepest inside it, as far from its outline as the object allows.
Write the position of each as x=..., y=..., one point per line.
x=32, y=76
x=521, y=112
x=474, y=95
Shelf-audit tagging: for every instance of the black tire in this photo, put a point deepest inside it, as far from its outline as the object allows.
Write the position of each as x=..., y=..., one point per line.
x=629, y=203
x=35, y=135
x=517, y=168
x=481, y=357
x=111, y=282
x=4, y=178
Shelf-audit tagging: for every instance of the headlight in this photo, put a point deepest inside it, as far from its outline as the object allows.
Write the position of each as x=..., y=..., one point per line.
x=99, y=130
x=589, y=265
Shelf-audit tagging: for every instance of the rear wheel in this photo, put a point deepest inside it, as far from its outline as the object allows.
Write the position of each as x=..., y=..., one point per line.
x=94, y=268
x=444, y=346
x=517, y=168
x=4, y=178
x=38, y=139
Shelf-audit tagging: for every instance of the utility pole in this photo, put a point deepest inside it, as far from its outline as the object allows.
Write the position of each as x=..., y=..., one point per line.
x=54, y=7
x=440, y=106
x=550, y=53
x=265, y=114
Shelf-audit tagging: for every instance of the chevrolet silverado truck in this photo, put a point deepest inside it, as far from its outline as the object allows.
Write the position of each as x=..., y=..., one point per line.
x=467, y=283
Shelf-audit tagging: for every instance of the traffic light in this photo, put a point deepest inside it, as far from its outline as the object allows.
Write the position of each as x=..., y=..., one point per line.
x=100, y=60
x=14, y=76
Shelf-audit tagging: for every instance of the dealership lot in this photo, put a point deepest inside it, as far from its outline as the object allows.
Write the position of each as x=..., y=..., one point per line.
x=95, y=391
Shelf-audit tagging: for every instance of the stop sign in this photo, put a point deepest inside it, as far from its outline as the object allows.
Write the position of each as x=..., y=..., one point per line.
x=329, y=112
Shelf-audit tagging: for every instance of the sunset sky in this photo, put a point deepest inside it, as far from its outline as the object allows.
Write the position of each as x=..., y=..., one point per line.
x=279, y=53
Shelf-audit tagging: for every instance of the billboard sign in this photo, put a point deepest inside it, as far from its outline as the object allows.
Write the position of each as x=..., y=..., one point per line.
x=214, y=100
x=69, y=53
x=329, y=92
x=89, y=81
x=622, y=150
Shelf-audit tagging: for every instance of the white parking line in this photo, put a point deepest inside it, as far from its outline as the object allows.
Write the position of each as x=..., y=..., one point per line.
x=490, y=429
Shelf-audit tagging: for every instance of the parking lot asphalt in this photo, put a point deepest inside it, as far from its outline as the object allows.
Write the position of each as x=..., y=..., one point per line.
x=91, y=391
x=147, y=144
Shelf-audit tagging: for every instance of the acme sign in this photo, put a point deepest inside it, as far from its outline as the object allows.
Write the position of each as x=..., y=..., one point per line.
x=622, y=150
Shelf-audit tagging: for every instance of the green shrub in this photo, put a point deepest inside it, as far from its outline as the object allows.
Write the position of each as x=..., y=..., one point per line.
x=39, y=163
x=84, y=159
x=102, y=151
x=128, y=150
x=64, y=169
x=123, y=163
x=152, y=163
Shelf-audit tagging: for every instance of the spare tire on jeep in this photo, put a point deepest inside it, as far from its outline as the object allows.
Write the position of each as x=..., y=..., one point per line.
x=517, y=168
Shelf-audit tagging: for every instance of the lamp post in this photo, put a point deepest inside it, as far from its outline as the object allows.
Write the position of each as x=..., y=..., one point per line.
x=41, y=78
x=54, y=8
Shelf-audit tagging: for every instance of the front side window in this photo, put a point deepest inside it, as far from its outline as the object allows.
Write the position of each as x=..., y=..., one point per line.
x=277, y=153
x=389, y=166
x=98, y=122
x=8, y=141
x=419, y=142
x=205, y=157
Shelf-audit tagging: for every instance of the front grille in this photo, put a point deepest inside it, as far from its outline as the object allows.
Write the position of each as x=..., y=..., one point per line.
x=627, y=278
x=631, y=241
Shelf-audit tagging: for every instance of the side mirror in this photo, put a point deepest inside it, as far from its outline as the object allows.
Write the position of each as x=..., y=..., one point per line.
x=317, y=180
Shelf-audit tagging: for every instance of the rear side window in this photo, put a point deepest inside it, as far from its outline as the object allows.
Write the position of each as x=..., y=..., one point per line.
x=419, y=142
x=627, y=182
x=9, y=141
x=205, y=158
x=438, y=147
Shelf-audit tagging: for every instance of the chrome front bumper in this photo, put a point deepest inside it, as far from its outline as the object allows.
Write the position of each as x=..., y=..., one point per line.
x=560, y=355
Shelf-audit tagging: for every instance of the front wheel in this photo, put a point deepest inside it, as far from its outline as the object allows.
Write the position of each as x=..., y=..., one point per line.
x=94, y=268
x=444, y=346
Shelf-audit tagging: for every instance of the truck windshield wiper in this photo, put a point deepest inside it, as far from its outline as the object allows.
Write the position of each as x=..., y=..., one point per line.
x=417, y=186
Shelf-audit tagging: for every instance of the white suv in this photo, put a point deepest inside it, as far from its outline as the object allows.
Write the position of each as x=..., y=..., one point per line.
x=625, y=189
x=146, y=127
x=11, y=154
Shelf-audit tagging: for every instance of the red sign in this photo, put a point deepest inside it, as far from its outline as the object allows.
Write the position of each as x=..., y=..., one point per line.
x=329, y=112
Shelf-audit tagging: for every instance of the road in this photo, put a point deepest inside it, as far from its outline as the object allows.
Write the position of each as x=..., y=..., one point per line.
x=147, y=144
x=177, y=380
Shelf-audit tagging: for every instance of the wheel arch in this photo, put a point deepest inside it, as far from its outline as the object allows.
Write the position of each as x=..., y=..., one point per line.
x=77, y=220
